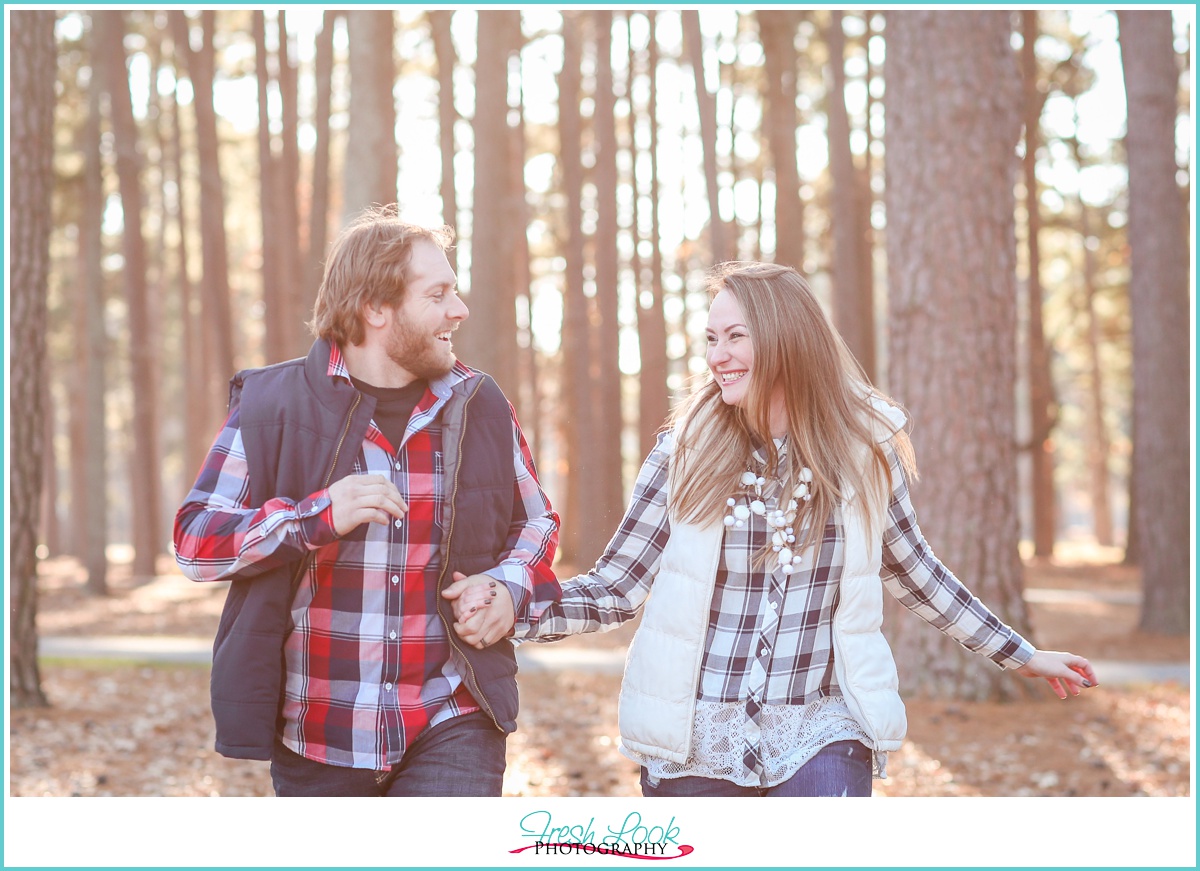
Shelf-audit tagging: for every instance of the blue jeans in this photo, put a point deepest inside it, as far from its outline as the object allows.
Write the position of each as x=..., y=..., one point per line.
x=841, y=769
x=463, y=756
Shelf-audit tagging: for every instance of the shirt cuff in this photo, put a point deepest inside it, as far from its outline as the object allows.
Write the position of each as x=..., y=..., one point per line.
x=1015, y=653
x=315, y=515
x=512, y=577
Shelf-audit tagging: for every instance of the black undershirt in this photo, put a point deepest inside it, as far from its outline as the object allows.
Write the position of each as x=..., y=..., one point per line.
x=393, y=406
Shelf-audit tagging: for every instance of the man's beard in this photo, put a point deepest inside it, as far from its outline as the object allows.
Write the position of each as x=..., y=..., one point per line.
x=422, y=355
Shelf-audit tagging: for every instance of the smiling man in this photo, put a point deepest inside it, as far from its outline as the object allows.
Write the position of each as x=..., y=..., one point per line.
x=340, y=497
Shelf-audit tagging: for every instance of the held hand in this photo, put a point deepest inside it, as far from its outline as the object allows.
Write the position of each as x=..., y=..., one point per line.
x=469, y=594
x=490, y=620
x=358, y=499
x=1063, y=671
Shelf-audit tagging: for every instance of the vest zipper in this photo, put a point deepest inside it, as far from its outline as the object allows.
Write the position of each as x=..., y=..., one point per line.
x=473, y=681
x=337, y=452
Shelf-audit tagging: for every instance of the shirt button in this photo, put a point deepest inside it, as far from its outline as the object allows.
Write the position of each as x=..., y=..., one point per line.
x=763, y=652
x=397, y=467
x=392, y=634
x=387, y=686
x=395, y=579
x=774, y=606
x=398, y=522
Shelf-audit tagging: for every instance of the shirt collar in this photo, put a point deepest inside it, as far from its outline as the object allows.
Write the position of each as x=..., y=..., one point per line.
x=441, y=387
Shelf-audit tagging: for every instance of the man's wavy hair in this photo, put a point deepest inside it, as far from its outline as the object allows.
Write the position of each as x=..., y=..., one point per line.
x=368, y=265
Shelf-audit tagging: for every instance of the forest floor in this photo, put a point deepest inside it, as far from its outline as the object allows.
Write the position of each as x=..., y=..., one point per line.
x=143, y=728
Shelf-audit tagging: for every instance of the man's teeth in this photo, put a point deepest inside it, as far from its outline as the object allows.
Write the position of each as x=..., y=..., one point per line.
x=445, y=337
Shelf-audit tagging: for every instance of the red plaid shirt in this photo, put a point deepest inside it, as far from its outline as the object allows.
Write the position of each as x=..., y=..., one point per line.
x=368, y=664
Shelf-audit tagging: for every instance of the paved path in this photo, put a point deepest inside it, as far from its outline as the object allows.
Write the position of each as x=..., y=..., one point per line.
x=530, y=657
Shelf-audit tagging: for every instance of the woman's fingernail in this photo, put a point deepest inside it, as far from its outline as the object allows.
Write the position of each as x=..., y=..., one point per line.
x=1087, y=683
x=491, y=583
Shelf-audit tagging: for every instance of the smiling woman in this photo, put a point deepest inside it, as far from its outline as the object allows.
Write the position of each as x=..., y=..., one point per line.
x=767, y=521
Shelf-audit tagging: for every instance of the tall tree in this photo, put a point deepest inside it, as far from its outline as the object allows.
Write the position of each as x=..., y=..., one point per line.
x=145, y=469
x=447, y=59
x=1042, y=405
x=319, y=208
x=608, y=495
x=853, y=297
x=953, y=118
x=31, y=181
x=722, y=244
x=1158, y=290
x=297, y=301
x=492, y=330
x=89, y=478
x=777, y=30
x=215, y=300
x=372, y=157
x=274, y=247
x=582, y=540
x=653, y=398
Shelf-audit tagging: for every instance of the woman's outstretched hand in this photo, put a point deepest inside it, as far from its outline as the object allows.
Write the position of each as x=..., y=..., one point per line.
x=1063, y=671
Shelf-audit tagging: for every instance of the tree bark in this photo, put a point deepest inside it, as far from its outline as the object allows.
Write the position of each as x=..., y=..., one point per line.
x=722, y=249
x=372, y=158
x=777, y=30
x=275, y=316
x=145, y=470
x=653, y=398
x=319, y=209
x=439, y=25
x=1099, y=445
x=31, y=180
x=1158, y=290
x=953, y=118
x=218, y=316
x=1042, y=416
x=89, y=479
x=608, y=493
x=578, y=541
x=853, y=299
x=654, y=403
x=490, y=334
x=297, y=301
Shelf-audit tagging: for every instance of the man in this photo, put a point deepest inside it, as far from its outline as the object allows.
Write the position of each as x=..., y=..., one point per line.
x=342, y=493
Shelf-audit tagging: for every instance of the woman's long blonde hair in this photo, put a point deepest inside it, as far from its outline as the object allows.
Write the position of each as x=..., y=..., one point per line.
x=830, y=416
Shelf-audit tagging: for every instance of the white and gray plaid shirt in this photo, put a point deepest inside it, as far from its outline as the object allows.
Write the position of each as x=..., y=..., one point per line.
x=757, y=607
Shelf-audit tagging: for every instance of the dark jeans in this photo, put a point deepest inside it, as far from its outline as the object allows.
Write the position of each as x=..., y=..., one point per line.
x=464, y=756
x=841, y=769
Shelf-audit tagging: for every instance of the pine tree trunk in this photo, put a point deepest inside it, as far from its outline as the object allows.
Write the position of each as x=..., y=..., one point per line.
x=777, y=30
x=953, y=118
x=319, y=208
x=275, y=318
x=608, y=493
x=578, y=535
x=439, y=25
x=1099, y=445
x=145, y=469
x=32, y=56
x=653, y=397
x=371, y=155
x=89, y=475
x=1158, y=290
x=297, y=301
x=199, y=411
x=722, y=249
x=1041, y=387
x=853, y=300
x=215, y=299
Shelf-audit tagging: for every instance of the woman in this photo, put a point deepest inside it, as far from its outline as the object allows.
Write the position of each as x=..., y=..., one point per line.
x=764, y=521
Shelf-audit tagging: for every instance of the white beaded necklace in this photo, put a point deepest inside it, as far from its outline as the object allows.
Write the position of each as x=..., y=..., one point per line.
x=780, y=520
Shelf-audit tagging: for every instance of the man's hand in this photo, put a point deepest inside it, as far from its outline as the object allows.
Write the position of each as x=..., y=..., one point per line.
x=1063, y=671
x=483, y=609
x=358, y=499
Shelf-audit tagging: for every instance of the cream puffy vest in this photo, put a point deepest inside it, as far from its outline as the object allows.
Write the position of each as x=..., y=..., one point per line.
x=658, y=694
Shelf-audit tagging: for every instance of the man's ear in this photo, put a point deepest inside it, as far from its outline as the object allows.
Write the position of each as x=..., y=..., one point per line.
x=373, y=315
